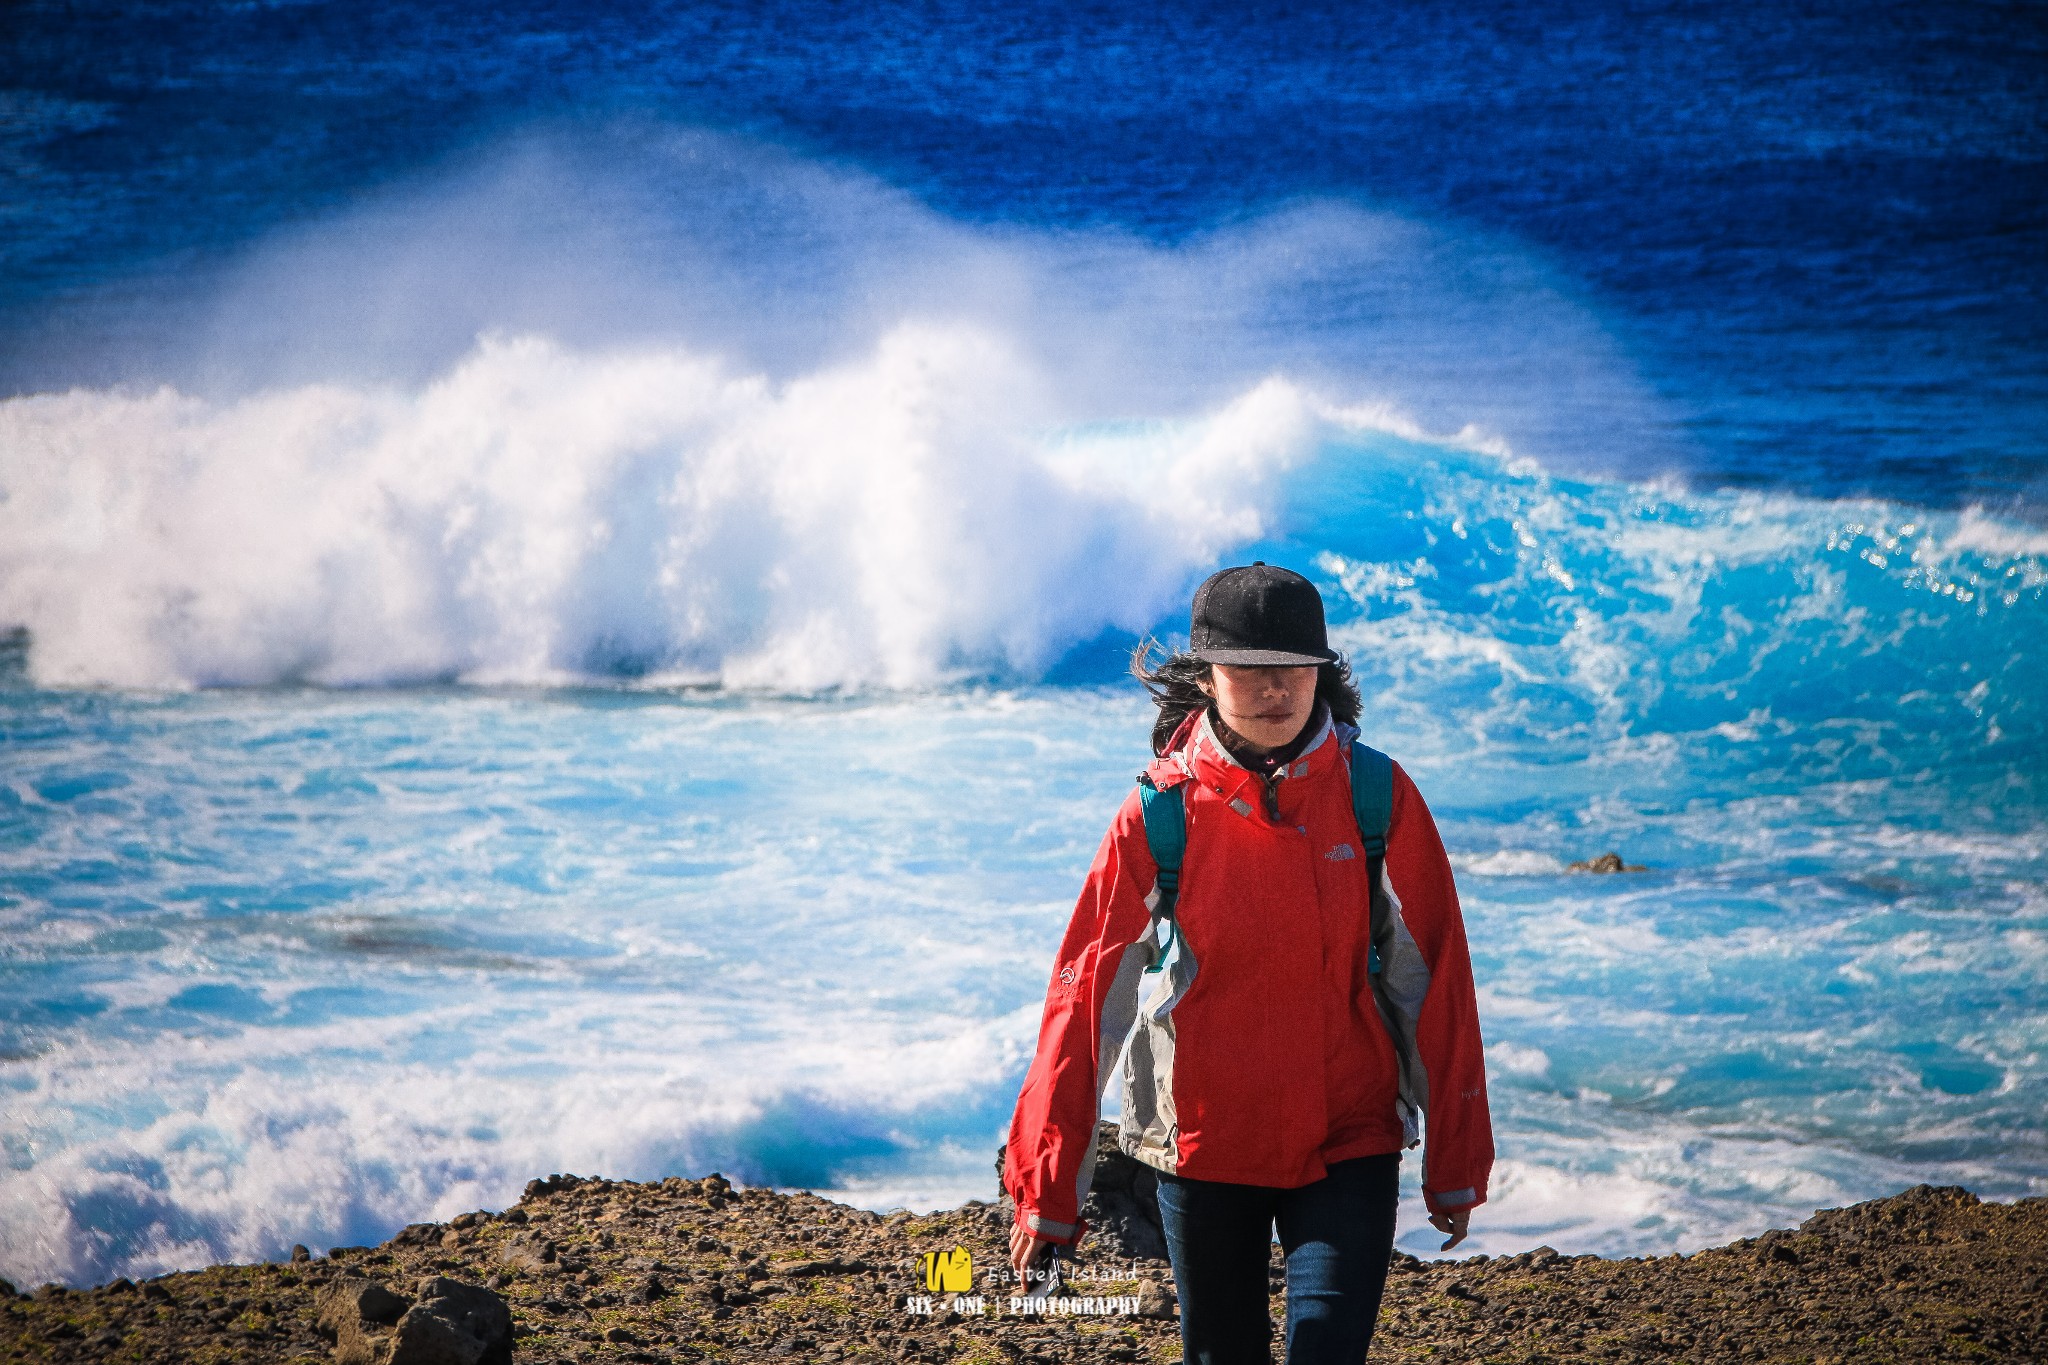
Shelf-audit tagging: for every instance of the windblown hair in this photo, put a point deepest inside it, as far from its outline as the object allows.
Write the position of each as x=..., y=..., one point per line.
x=1176, y=687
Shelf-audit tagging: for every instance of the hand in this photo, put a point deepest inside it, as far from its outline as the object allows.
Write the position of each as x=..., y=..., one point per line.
x=1457, y=1222
x=1025, y=1252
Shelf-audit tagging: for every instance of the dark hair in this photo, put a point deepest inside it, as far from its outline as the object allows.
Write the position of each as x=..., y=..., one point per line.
x=1176, y=688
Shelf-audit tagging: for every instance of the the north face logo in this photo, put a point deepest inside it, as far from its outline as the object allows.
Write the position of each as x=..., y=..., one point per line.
x=1340, y=853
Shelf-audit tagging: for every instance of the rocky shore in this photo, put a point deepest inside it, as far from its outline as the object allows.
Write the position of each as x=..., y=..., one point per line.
x=698, y=1270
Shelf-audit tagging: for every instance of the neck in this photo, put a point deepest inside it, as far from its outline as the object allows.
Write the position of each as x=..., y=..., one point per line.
x=1259, y=757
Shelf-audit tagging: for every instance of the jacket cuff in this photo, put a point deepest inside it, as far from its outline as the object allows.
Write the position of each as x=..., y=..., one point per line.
x=1050, y=1229
x=1451, y=1201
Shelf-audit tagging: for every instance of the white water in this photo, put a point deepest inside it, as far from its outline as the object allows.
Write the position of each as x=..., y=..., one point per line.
x=659, y=404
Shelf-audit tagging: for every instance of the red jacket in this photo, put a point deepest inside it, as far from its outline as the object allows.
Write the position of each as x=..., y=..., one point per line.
x=1254, y=1052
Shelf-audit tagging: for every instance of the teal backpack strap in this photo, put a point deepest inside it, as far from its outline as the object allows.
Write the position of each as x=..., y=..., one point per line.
x=1372, y=801
x=1166, y=834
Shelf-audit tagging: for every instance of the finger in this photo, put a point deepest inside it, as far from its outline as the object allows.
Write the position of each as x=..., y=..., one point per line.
x=1021, y=1249
x=1028, y=1253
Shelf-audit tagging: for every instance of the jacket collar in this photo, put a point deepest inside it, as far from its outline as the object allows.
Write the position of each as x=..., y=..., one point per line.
x=1206, y=757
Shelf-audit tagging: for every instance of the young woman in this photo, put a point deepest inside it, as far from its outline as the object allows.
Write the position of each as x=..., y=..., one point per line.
x=1276, y=1055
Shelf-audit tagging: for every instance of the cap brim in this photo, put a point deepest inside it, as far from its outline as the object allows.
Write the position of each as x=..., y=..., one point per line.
x=1262, y=658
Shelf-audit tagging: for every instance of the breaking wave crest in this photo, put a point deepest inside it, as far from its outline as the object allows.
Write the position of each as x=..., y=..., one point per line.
x=655, y=403
x=540, y=515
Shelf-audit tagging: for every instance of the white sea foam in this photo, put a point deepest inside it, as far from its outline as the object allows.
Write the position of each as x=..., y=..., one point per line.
x=144, y=1160
x=540, y=515
x=646, y=401
x=1509, y=862
x=1516, y=1060
x=1630, y=1186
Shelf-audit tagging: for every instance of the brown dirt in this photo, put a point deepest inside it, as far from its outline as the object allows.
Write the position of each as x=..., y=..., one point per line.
x=1928, y=1275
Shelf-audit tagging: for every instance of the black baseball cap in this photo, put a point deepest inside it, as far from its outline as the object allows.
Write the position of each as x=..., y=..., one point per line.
x=1259, y=616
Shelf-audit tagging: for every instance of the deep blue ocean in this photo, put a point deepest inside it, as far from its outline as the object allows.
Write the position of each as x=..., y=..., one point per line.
x=563, y=575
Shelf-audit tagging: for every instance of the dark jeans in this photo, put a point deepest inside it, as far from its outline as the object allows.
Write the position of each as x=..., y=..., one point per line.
x=1338, y=1235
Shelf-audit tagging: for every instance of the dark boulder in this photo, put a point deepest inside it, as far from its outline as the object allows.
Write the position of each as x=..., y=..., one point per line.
x=454, y=1324
x=1122, y=1211
x=359, y=1315
x=450, y=1323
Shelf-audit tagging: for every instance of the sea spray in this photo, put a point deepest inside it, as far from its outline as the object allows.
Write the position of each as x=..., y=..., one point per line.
x=543, y=516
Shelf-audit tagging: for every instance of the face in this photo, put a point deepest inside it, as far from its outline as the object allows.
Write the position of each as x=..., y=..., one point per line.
x=1268, y=706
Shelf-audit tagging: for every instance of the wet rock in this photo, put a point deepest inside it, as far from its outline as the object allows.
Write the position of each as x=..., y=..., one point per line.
x=1606, y=862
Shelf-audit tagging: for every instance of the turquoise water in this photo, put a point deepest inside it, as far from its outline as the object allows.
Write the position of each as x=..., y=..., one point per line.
x=304, y=964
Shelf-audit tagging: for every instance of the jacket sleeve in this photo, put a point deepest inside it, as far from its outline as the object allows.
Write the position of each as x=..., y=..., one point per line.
x=1052, y=1132
x=1458, y=1151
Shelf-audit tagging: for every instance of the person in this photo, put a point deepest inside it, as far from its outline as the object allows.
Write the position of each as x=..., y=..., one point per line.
x=1273, y=1066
